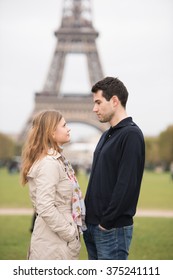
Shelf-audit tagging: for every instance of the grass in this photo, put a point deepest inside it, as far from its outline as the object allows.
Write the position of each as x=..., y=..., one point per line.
x=152, y=238
x=12, y=194
x=156, y=191
x=15, y=237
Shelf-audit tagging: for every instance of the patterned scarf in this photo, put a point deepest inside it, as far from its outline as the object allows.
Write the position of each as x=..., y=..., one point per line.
x=78, y=206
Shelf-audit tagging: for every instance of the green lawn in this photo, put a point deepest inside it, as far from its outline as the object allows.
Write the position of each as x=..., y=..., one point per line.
x=156, y=191
x=152, y=239
x=12, y=194
x=14, y=237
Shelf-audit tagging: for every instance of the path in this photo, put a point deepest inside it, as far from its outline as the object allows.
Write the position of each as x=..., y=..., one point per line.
x=140, y=212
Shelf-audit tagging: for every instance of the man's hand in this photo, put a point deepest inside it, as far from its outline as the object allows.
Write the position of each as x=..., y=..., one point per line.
x=102, y=228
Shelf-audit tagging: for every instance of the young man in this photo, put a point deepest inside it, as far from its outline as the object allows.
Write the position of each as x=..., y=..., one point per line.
x=116, y=175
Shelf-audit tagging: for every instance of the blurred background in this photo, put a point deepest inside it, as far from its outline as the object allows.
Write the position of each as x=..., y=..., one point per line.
x=135, y=44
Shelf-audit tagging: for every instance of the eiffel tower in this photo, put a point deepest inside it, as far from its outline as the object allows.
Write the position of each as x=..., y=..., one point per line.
x=76, y=35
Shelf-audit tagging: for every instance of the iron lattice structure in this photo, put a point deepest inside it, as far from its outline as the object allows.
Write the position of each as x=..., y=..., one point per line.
x=76, y=35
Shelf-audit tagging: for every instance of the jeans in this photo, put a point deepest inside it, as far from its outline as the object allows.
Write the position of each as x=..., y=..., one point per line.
x=110, y=244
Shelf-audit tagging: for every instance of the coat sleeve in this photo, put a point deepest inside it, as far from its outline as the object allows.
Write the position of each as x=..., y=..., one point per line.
x=47, y=179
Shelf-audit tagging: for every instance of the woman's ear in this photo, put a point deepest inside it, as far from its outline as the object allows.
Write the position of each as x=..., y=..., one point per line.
x=53, y=134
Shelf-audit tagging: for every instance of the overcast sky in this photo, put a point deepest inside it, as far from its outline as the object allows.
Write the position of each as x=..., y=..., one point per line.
x=135, y=44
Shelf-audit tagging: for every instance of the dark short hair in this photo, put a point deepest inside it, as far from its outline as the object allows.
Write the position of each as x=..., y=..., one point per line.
x=112, y=86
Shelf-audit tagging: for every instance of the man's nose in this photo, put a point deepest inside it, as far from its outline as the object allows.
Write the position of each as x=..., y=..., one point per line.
x=95, y=109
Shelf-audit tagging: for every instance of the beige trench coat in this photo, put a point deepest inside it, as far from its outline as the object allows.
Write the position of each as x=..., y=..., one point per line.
x=55, y=235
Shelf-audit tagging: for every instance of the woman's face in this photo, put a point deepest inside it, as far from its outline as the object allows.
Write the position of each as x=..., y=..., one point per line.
x=62, y=133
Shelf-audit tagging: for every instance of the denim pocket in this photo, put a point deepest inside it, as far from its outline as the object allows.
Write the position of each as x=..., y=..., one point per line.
x=105, y=230
x=128, y=232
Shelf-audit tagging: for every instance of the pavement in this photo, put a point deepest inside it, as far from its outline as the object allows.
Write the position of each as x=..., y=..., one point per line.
x=140, y=212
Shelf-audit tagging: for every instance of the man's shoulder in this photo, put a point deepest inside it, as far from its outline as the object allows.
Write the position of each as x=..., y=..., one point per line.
x=132, y=127
x=132, y=133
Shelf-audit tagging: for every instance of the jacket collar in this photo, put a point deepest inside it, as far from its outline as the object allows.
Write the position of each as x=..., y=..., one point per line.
x=125, y=122
x=54, y=154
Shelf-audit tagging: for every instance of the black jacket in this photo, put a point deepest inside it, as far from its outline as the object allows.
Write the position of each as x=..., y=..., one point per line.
x=116, y=175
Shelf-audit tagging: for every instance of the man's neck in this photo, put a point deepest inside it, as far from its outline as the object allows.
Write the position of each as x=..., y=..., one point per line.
x=118, y=118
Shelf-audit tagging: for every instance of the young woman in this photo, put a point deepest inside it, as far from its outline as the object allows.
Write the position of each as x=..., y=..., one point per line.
x=54, y=190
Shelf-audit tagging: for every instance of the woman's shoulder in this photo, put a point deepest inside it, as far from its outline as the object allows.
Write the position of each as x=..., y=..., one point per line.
x=48, y=160
x=50, y=163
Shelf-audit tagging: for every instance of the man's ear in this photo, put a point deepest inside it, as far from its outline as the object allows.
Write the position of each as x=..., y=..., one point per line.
x=115, y=100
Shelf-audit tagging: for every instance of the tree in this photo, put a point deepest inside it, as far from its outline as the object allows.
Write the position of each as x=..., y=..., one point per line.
x=166, y=146
x=152, y=152
x=7, y=150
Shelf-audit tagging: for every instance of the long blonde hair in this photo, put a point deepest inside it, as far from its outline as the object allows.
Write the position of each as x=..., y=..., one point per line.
x=39, y=140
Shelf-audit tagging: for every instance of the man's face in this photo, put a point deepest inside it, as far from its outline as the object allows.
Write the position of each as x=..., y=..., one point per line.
x=103, y=108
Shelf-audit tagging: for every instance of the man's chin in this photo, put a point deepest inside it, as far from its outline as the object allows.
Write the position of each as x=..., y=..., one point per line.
x=102, y=121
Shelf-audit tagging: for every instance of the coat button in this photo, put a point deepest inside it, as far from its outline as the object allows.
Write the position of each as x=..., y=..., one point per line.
x=77, y=237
